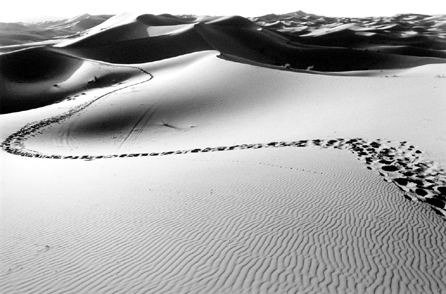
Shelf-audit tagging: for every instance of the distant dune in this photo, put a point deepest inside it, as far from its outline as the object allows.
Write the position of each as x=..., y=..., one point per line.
x=320, y=45
x=23, y=33
x=289, y=153
x=296, y=41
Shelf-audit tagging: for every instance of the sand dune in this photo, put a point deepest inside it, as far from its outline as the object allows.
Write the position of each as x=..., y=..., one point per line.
x=122, y=129
x=208, y=90
x=242, y=38
x=187, y=154
x=304, y=221
x=27, y=33
x=37, y=77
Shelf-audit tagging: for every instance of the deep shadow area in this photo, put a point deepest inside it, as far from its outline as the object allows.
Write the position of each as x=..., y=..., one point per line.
x=29, y=78
x=343, y=50
x=36, y=64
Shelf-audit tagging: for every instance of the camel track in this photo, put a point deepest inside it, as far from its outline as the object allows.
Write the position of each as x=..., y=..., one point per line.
x=398, y=162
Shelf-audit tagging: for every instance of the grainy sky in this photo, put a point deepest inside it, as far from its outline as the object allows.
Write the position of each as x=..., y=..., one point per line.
x=31, y=10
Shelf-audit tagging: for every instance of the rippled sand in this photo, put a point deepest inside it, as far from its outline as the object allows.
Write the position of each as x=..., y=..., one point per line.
x=249, y=221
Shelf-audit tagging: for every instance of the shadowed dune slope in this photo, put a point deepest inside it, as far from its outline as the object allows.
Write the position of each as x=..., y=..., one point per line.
x=410, y=34
x=38, y=77
x=28, y=77
x=35, y=65
x=138, y=50
x=270, y=48
x=235, y=35
x=389, y=43
x=130, y=31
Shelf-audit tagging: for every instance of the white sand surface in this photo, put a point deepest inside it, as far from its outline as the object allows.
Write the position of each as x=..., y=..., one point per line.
x=278, y=220
x=199, y=100
x=155, y=31
x=298, y=220
x=113, y=22
x=332, y=28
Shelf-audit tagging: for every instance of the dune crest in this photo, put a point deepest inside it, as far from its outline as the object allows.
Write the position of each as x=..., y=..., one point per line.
x=324, y=47
x=296, y=41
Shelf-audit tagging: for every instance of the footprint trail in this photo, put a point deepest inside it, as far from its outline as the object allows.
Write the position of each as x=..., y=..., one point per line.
x=397, y=162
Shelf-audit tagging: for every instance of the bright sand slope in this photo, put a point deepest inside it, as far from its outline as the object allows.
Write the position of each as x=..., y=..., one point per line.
x=199, y=100
x=250, y=221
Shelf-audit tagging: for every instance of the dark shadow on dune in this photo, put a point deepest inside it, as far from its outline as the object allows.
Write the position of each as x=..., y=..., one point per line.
x=29, y=78
x=238, y=36
x=36, y=64
x=276, y=49
x=140, y=50
x=131, y=31
x=295, y=41
x=114, y=122
x=140, y=118
x=34, y=78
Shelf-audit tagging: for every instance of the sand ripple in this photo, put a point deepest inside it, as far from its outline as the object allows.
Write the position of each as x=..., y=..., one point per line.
x=280, y=223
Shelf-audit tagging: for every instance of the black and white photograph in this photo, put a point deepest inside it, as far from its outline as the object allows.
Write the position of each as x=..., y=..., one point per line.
x=232, y=147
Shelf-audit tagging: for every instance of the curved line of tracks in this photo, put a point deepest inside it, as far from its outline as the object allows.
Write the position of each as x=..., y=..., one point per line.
x=14, y=144
x=398, y=162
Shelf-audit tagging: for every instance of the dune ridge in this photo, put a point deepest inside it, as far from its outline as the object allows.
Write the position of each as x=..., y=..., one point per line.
x=143, y=38
x=255, y=41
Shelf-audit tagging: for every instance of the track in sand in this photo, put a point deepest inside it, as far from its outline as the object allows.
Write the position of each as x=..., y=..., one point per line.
x=398, y=162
